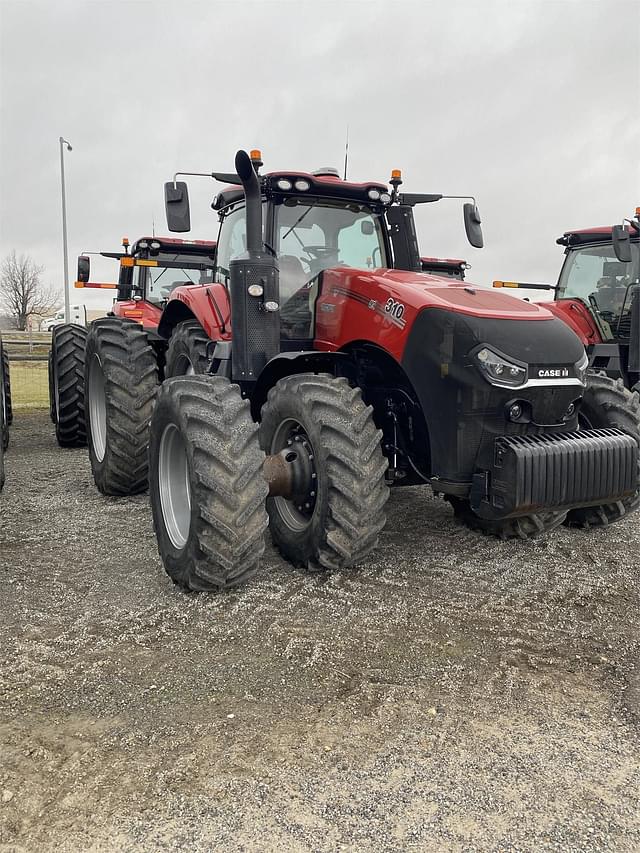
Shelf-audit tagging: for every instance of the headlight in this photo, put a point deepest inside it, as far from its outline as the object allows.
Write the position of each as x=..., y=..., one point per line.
x=284, y=184
x=301, y=185
x=374, y=194
x=143, y=244
x=499, y=370
x=154, y=245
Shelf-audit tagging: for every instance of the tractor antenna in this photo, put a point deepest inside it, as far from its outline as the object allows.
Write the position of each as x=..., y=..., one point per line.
x=153, y=225
x=346, y=153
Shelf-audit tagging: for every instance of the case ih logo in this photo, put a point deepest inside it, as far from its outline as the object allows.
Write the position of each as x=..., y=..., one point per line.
x=553, y=372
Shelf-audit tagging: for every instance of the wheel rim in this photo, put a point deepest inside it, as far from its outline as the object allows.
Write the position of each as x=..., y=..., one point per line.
x=174, y=488
x=184, y=366
x=297, y=512
x=97, y=408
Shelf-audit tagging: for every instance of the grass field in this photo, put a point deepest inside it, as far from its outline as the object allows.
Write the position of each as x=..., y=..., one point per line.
x=29, y=384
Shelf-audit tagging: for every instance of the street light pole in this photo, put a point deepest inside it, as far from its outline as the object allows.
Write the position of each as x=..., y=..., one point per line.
x=67, y=309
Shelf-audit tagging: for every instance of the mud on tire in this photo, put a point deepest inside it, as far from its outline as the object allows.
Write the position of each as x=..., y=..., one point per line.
x=607, y=403
x=327, y=423
x=206, y=484
x=187, y=350
x=121, y=377
x=66, y=384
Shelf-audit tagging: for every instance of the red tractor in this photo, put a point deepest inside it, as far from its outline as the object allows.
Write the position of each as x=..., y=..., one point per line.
x=598, y=296
x=338, y=370
x=148, y=275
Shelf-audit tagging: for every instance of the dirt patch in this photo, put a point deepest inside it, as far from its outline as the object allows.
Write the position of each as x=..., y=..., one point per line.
x=456, y=693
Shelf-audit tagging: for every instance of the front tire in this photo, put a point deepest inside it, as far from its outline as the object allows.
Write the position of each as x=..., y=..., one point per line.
x=520, y=527
x=607, y=403
x=334, y=524
x=121, y=377
x=206, y=484
x=66, y=384
x=187, y=350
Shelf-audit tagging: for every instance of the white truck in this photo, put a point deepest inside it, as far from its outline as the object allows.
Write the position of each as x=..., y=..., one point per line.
x=78, y=315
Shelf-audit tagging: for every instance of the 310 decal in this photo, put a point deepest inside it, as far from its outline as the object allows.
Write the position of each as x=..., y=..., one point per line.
x=396, y=309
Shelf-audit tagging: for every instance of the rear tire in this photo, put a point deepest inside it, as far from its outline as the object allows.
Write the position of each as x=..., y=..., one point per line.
x=206, y=483
x=121, y=377
x=6, y=384
x=66, y=381
x=187, y=350
x=5, y=407
x=521, y=527
x=606, y=403
x=324, y=420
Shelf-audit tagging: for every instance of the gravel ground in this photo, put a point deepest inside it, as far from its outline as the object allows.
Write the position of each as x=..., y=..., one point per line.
x=456, y=693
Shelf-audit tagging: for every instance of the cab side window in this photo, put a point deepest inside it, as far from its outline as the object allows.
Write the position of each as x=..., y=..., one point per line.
x=232, y=242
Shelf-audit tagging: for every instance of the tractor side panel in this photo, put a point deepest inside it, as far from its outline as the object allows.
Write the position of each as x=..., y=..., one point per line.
x=208, y=303
x=145, y=313
x=578, y=317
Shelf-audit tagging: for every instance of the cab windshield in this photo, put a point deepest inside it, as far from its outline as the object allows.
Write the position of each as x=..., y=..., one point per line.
x=160, y=281
x=594, y=275
x=312, y=235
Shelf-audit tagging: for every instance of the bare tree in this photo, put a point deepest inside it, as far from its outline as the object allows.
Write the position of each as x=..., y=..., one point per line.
x=21, y=290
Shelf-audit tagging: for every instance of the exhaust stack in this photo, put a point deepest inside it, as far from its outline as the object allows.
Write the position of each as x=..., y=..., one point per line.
x=254, y=288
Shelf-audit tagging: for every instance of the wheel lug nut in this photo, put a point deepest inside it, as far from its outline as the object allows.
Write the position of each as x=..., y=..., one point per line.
x=289, y=442
x=312, y=494
x=307, y=506
x=313, y=476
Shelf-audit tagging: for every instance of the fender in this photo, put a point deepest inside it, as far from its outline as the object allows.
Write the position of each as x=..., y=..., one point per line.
x=289, y=363
x=145, y=313
x=578, y=317
x=208, y=304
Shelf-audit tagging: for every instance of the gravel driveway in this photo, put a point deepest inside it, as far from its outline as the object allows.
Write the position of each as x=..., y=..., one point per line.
x=456, y=693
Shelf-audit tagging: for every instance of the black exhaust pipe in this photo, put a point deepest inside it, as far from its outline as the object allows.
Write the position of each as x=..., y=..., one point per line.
x=251, y=185
x=253, y=288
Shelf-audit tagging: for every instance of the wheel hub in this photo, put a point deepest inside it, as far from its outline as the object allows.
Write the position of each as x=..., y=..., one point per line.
x=295, y=485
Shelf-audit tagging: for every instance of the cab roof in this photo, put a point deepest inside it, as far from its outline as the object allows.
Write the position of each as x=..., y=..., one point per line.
x=327, y=185
x=186, y=247
x=600, y=234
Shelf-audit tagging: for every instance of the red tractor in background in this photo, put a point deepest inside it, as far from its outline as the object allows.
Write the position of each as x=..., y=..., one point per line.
x=339, y=369
x=598, y=296
x=148, y=274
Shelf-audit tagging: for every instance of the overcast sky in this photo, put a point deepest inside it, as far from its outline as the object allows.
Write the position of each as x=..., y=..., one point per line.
x=533, y=107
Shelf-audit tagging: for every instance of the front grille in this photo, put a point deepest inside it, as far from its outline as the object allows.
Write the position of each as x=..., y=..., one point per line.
x=556, y=471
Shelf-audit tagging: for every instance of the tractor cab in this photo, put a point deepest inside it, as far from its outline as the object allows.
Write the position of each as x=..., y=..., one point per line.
x=149, y=272
x=305, y=225
x=594, y=274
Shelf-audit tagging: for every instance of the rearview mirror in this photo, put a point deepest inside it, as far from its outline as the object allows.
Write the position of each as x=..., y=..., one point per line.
x=367, y=227
x=176, y=203
x=621, y=243
x=84, y=268
x=472, y=225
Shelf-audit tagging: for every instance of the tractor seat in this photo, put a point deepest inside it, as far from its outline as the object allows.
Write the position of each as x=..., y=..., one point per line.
x=292, y=276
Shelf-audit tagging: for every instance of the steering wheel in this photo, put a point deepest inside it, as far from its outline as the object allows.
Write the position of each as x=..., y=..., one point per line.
x=320, y=252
